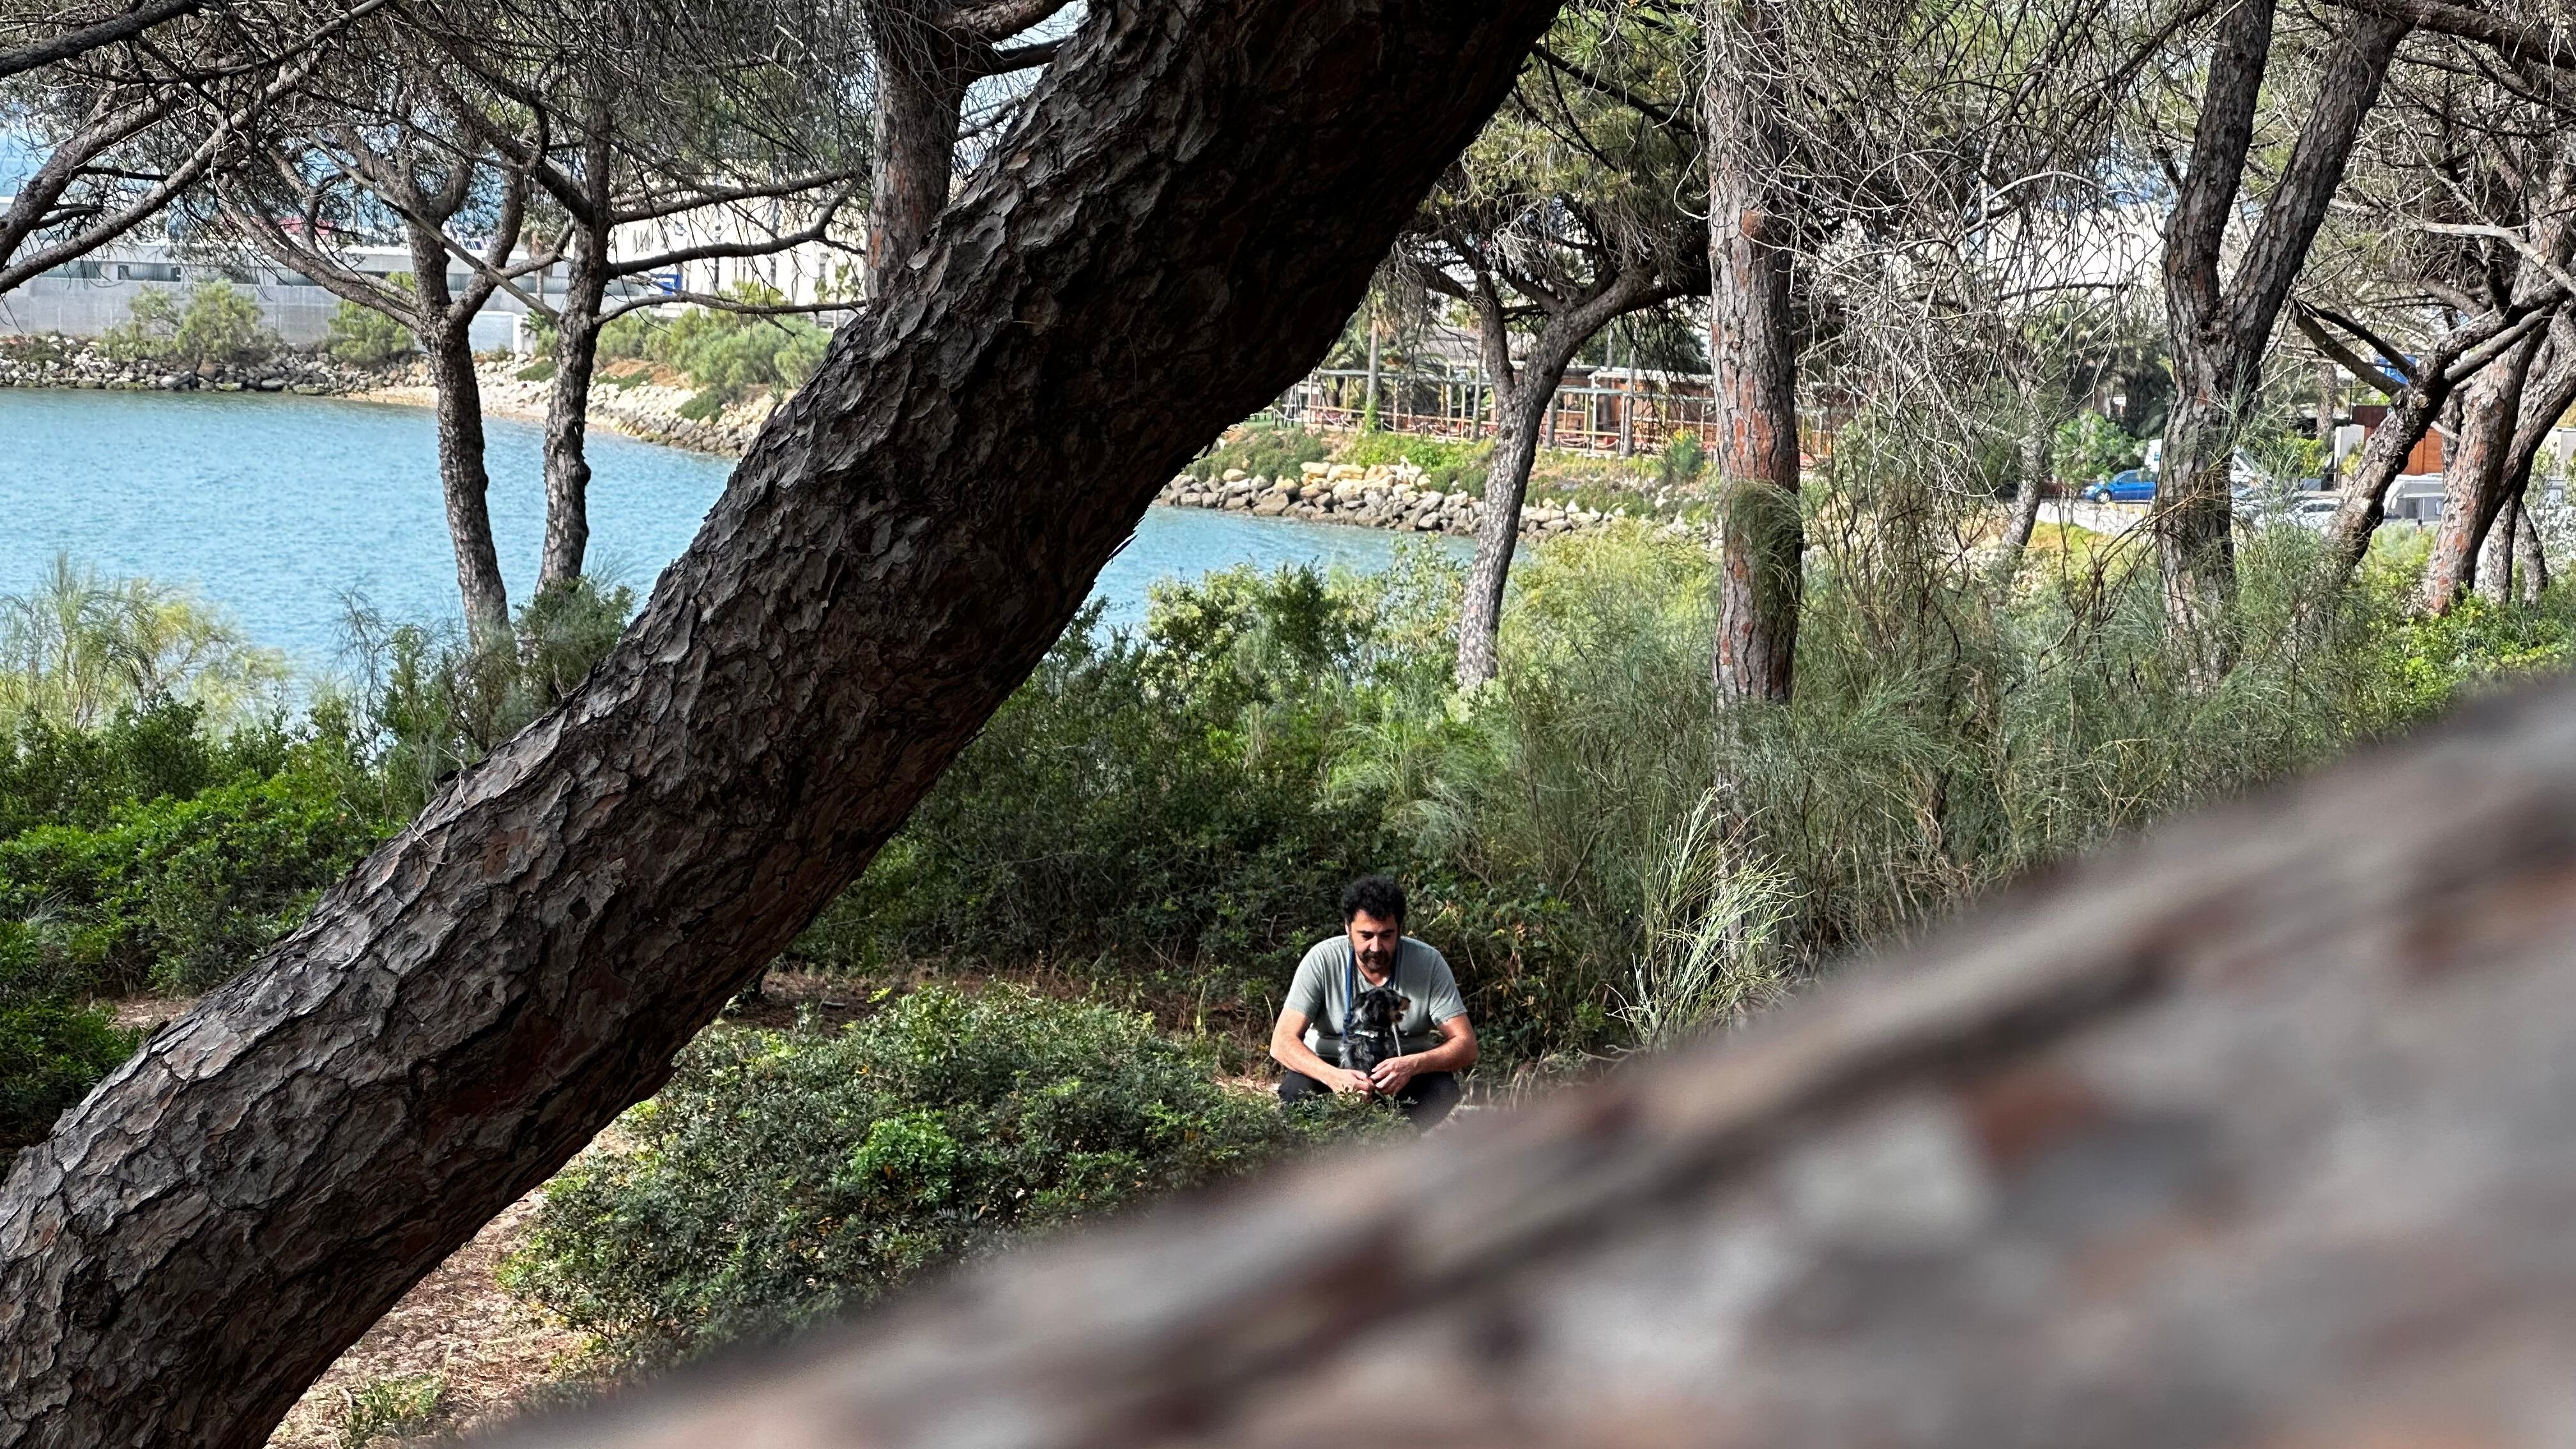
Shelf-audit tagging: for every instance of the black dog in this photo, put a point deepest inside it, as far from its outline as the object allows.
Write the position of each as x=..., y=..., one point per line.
x=1369, y=1037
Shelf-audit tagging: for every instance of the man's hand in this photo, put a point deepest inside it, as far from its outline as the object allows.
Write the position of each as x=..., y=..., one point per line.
x=1342, y=1079
x=1393, y=1073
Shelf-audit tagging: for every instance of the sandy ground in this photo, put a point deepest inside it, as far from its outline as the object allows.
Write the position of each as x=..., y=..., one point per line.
x=488, y=1349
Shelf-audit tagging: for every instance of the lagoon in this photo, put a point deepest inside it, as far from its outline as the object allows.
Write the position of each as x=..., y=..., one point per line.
x=280, y=510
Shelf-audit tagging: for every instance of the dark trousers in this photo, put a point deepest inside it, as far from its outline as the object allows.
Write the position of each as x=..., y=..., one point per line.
x=1424, y=1100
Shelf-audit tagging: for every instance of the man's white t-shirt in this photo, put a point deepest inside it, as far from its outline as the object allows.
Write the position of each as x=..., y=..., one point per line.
x=1322, y=991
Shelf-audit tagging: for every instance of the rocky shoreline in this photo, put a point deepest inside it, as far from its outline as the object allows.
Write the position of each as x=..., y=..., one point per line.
x=1389, y=496
x=52, y=361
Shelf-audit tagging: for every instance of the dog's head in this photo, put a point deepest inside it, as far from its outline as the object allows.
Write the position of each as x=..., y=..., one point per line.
x=1378, y=1009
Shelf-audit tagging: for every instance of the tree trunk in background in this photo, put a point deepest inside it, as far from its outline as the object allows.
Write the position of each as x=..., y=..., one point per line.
x=449, y=357
x=1523, y=396
x=447, y=349
x=1524, y=412
x=2219, y=333
x=2383, y=458
x=2532, y=561
x=922, y=76
x=1186, y=220
x=1753, y=352
x=577, y=325
x=2498, y=554
x=2473, y=476
x=2038, y=465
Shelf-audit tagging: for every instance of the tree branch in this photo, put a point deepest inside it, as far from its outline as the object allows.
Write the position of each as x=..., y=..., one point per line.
x=106, y=32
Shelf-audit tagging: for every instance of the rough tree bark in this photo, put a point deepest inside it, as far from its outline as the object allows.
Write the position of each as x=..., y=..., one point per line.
x=2432, y=382
x=1185, y=218
x=928, y=55
x=1522, y=395
x=2259, y=1133
x=2219, y=333
x=576, y=357
x=462, y=478
x=2473, y=476
x=1753, y=352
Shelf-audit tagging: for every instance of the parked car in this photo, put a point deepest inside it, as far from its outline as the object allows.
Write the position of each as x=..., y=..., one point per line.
x=2132, y=485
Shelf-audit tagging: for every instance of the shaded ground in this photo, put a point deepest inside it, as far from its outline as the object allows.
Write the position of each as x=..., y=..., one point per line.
x=487, y=1350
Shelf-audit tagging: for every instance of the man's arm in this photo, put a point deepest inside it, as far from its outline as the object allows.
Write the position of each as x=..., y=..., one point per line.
x=1456, y=1053
x=1288, y=1048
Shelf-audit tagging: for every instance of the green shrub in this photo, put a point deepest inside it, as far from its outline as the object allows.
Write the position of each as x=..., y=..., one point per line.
x=706, y=404
x=436, y=701
x=51, y=1053
x=1681, y=462
x=179, y=893
x=1264, y=451
x=2089, y=446
x=390, y=1408
x=1448, y=464
x=77, y=648
x=218, y=324
x=779, y=1176
x=541, y=370
x=365, y=337
x=1156, y=805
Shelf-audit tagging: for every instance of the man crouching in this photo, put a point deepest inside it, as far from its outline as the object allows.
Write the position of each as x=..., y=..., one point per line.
x=1362, y=1013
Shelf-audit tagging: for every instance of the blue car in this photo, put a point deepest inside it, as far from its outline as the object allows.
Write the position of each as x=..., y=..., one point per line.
x=2133, y=485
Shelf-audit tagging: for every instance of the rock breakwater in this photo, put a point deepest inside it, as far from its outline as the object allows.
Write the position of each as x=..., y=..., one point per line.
x=1389, y=496
x=53, y=361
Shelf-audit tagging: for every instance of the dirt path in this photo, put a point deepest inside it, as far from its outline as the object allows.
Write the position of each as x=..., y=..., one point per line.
x=484, y=1350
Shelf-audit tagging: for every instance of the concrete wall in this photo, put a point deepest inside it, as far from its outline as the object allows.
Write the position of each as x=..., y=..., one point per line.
x=87, y=306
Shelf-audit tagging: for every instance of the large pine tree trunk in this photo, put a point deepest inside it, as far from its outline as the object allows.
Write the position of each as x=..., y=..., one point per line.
x=1174, y=233
x=1753, y=349
x=577, y=324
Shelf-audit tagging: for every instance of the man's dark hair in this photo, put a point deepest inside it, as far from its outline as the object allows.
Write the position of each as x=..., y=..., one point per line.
x=1378, y=895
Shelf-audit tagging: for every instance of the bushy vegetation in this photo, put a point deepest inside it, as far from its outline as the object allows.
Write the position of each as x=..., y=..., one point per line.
x=160, y=821
x=365, y=337
x=725, y=354
x=218, y=324
x=1264, y=450
x=780, y=1176
x=1163, y=814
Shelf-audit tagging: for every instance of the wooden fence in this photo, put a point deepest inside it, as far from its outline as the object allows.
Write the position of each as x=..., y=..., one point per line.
x=1606, y=415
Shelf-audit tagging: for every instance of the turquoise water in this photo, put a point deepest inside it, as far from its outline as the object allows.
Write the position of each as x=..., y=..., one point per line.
x=279, y=509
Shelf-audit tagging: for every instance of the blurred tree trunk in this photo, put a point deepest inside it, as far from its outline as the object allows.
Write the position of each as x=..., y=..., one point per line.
x=1753, y=352
x=2038, y=469
x=1185, y=222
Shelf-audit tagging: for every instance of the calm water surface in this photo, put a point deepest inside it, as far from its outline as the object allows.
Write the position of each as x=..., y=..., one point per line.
x=281, y=508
